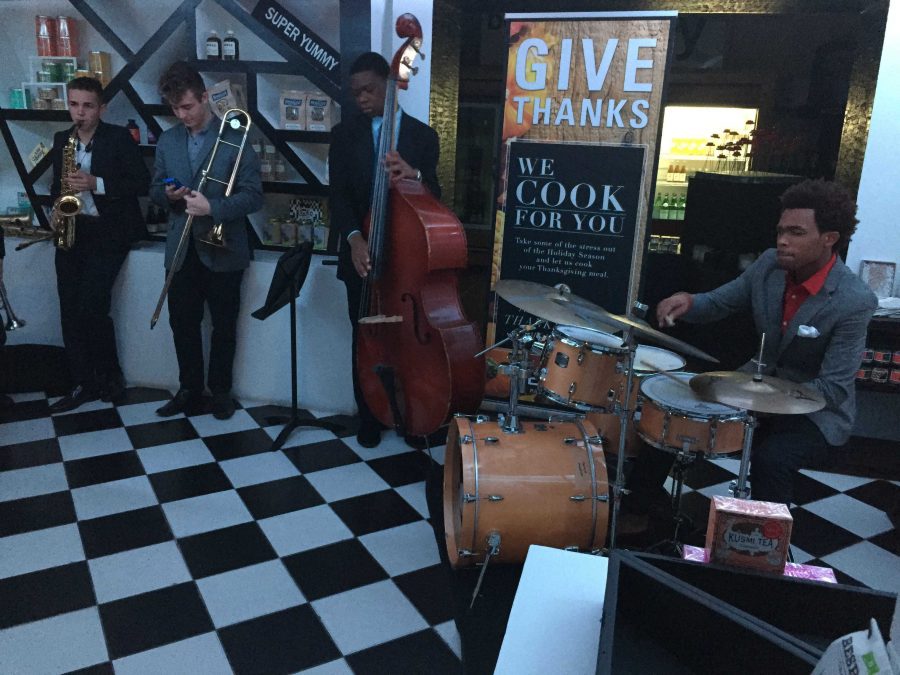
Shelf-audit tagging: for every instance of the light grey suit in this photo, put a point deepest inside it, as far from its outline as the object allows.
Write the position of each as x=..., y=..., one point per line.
x=827, y=358
x=246, y=197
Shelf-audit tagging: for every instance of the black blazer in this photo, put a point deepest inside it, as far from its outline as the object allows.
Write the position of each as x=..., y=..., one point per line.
x=115, y=158
x=351, y=161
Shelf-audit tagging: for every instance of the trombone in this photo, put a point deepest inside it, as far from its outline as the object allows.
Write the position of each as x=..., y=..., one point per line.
x=216, y=235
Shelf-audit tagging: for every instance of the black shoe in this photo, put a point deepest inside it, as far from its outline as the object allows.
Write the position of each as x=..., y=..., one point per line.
x=185, y=401
x=222, y=405
x=113, y=389
x=369, y=434
x=74, y=399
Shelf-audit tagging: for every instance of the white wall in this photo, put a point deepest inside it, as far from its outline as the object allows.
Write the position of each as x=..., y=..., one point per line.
x=878, y=236
x=262, y=366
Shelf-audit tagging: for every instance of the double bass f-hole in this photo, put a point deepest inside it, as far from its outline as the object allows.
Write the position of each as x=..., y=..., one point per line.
x=421, y=339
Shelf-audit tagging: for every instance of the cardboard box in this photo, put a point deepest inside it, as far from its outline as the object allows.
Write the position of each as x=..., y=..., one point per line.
x=750, y=534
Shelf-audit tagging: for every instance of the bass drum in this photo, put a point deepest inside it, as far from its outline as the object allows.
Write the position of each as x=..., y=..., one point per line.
x=546, y=485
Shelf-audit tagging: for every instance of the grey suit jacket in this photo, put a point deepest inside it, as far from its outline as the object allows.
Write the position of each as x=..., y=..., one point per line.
x=246, y=196
x=838, y=316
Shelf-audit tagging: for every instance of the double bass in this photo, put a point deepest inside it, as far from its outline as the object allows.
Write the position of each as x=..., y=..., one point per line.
x=415, y=351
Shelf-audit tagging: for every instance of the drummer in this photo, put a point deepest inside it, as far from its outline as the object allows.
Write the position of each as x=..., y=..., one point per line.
x=814, y=312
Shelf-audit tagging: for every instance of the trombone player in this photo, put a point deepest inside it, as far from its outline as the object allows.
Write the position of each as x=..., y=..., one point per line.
x=106, y=172
x=206, y=274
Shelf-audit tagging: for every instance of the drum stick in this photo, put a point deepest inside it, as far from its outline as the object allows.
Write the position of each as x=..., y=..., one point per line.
x=660, y=371
x=668, y=320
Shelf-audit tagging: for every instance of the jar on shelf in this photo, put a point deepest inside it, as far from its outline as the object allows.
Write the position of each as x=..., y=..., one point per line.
x=230, y=47
x=213, y=46
x=45, y=35
x=67, y=37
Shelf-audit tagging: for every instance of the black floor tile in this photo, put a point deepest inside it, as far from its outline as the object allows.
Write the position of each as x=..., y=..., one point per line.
x=818, y=536
x=889, y=541
x=82, y=422
x=25, y=410
x=695, y=506
x=191, y=481
x=282, y=642
x=422, y=652
x=46, y=593
x=226, y=549
x=124, y=531
x=36, y=513
x=279, y=496
x=161, y=433
x=321, y=456
x=333, y=569
x=149, y=620
x=346, y=425
x=703, y=474
x=32, y=453
x=144, y=395
x=264, y=414
x=100, y=669
x=376, y=511
x=403, y=469
x=102, y=469
x=428, y=590
x=807, y=490
x=238, y=444
x=879, y=493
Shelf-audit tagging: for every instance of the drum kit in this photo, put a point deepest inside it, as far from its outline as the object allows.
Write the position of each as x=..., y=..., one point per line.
x=595, y=385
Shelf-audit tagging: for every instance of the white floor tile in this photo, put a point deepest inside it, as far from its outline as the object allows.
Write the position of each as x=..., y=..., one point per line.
x=137, y=571
x=200, y=655
x=90, y=406
x=437, y=453
x=175, y=455
x=801, y=557
x=55, y=645
x=206, y=512
x=305, y=529
x=116, y=496
x=300, y=435
x=348, y=616
x=868, y=563
x=450, y=635
x=28, y=396
x=249, y=592
x=720, y=489
x=94, y=443
x=347, y=481
x=26, y=430
x=33, y=481
x=140, y=413
x=414, y=494
x=391, y=444
x=403, y=549
x=338, y=667
x=259, y=468
x=729, y=464
x=851, y=514
x=207, y=425
x=38, y=550
x=836, y=480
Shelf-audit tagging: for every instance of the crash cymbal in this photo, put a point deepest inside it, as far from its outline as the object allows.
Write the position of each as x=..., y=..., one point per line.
x=767, y=394
x=547, y=302
x=568, y=309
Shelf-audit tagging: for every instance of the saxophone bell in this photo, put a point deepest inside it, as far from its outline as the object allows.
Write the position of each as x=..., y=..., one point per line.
x=12, y=321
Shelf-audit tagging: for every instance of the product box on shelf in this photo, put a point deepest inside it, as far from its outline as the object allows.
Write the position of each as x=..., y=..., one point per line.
x=224, y=96
x=292, y=107
x=319, y=111
x=748, y=533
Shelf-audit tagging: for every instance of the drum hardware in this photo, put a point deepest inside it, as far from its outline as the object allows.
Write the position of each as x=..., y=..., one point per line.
x=12, y=321
x=624, y=407
x=493, y=544
x=684, y=459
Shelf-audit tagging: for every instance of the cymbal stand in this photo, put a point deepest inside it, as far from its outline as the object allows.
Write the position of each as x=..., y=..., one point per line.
x=740, y=489
x=517, y=371
x=684, y=458
x=624, y=411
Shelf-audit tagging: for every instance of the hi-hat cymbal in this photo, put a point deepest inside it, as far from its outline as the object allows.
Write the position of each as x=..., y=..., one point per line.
x=546, y=302
x=767, y=394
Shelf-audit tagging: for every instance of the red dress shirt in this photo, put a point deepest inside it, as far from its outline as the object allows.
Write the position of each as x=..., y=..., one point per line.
x=795, y=294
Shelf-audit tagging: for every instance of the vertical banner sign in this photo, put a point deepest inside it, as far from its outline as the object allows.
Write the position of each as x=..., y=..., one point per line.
x=580, y=130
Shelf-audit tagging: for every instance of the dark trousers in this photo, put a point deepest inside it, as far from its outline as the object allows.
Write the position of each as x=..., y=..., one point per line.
x=84, y=279
x=353, y=283
x=782, y=444
x=192, y=286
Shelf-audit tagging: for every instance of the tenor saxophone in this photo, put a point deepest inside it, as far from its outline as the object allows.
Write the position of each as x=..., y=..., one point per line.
x=68, y=204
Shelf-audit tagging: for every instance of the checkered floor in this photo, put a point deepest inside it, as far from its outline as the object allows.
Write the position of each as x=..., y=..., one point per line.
x=134, y=544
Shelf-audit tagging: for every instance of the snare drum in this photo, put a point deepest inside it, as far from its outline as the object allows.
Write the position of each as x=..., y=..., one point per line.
x=647, y=361
x=546, y=485
x=580, y=367
x=674, y=417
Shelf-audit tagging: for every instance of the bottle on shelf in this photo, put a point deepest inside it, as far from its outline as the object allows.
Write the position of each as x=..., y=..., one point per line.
x=213, y=46
x=657, y=207
x=669, y=173
x=265, y=162
x=679, y=208
x=134, y=130
x=230, y=47
x=151, y=137
x=665, y=212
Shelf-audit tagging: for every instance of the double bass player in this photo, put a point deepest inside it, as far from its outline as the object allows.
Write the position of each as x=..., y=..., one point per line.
x=352, y=165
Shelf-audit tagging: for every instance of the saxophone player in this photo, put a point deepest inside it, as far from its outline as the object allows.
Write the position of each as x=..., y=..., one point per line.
x=107, y=173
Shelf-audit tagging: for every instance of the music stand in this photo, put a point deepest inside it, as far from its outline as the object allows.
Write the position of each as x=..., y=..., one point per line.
x=290, y=273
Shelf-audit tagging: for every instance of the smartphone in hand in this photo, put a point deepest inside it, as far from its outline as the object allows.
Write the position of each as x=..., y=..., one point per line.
x=173, y=182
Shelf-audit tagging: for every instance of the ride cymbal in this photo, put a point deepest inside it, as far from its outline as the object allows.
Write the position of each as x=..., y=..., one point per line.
x=760, y=393
x=547, y=302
